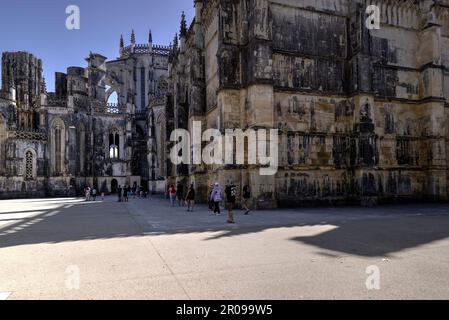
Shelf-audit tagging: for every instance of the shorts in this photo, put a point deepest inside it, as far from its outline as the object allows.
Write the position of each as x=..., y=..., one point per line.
x=230, y=205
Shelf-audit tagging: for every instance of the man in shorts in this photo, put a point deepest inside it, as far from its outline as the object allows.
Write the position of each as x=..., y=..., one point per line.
x=230, y=192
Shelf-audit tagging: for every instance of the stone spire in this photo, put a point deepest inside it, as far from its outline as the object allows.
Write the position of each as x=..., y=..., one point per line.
x=175, y=42
x=133, y=41
x=43, y=86
x=122, y=46
x=183, y=34
x=133, y=37
x=150, y=41
x=183, y=25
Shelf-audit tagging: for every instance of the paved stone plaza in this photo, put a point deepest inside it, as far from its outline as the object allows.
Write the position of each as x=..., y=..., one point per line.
x=71, y=249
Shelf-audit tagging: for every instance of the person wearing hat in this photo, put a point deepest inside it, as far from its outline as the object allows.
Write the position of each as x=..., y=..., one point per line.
x=216, y=197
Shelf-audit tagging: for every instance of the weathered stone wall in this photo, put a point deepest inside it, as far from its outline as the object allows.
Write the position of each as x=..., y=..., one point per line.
x=362, y=113
x=56, y=144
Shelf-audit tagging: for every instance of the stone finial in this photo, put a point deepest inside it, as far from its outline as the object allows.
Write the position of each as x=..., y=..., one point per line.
x=133, y=37
x=150, y=37
x=183, y=25
x=122, y=43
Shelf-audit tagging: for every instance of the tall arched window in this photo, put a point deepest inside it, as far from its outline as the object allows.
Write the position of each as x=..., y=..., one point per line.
x=58, y=147
x=29, y=166
x=114, y=145
x=113, y=152
x=2, y=144
x=58, y=151
x=82, y=148
x=113, y=98
x=142, y=89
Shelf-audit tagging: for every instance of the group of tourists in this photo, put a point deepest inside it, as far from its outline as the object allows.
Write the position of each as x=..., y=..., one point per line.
x=177, y=195
x=135, y=192
x=123, y=193
x=181, y=198
x=216, y=197
x=90, y=193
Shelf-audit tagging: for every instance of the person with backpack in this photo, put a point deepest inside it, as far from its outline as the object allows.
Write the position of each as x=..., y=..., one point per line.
x=216, y=197
x=190, y=198
x=231, y=191
x=94, y=194
x=246, y=198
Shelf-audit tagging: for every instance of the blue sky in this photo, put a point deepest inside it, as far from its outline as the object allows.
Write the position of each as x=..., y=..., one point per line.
x=39, y=27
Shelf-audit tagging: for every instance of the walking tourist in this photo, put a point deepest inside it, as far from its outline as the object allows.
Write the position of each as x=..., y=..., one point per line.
x=94, y=194
x=133, y=192
x=230, y=200
x=211, y=201
x=119, y=193
x=245, y=198
x=190, y=198
x=125, y=194
x=87, y=193
x=217, y=197
x=179, y=194
x=172, y=195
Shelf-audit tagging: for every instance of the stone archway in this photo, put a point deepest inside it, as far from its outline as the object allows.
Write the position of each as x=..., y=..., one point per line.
x=114, y=186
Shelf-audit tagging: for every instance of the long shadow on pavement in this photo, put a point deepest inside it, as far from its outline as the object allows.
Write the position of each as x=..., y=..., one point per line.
x=371, y=235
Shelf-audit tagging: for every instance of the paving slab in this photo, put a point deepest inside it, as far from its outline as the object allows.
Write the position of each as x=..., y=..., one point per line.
x=145, y=249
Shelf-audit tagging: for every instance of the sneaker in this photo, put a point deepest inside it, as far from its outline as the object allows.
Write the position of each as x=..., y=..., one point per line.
x=230, y=222
x=247, y=212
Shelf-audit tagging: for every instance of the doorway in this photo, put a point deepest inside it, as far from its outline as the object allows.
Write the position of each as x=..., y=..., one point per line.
x=114, y=186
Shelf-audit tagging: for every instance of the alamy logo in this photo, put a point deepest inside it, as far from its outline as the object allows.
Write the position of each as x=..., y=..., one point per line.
x=73, y=21
x=72, y=281
x=373, y=280
x=373, y=20
x=262, y=147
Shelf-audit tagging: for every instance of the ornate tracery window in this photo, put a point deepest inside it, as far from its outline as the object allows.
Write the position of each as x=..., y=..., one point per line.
x=29, y=166
x=58, y=150
x=142, y=88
